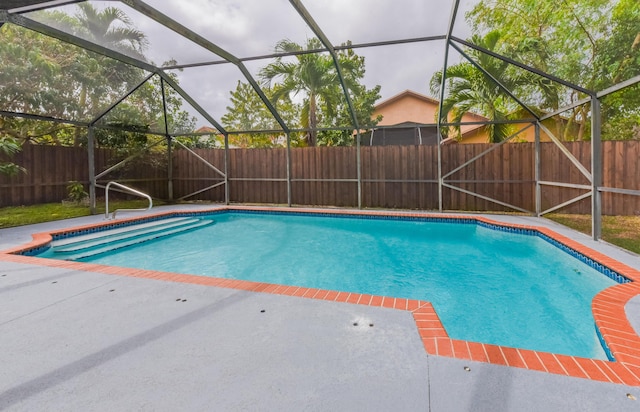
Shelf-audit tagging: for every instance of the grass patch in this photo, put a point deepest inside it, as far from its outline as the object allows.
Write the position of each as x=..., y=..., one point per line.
x=27, y=215
x=623, y=231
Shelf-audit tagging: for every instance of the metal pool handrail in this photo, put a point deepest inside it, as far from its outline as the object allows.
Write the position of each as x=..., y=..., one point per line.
x=126, y=189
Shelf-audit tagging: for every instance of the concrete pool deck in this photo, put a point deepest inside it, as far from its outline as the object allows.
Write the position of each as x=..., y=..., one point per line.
x=82, y=340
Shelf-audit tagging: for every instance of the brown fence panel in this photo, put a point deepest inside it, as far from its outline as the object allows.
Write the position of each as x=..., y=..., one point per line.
x=258, y=176
x=392, y=176
x=506, y=174
x=49, y=169
x=621, y=169
x=191, y=174
x=313, y=167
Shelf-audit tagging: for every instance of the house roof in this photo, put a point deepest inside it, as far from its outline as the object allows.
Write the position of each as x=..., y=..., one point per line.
x=207, y=129
x=403, y=94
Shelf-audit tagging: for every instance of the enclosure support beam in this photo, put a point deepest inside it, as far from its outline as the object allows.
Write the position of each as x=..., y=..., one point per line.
x=496, y=81
x=203, y=160
x=192, y=36
x=489, y=150
x=310, y=51
x=40, y=6
x=226, y=168
x=567, y=153
x=567, y=203
x=596, y=168
x=42, y=118
x=169, y=145
x=288, y=170
x=522, y=66
x=306, y=16
x=77, y=41
x=92, y=170
x=170, y=167
x=122, y=162
x=488, y=199
x=616, y=88
x=359, y=167
x=68, y=38
x=565, y=108
x=445, y=65
x=190, y=100
x=120, y=100
x=537, y=170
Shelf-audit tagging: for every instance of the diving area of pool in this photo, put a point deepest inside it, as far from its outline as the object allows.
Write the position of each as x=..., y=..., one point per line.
x=451, y=365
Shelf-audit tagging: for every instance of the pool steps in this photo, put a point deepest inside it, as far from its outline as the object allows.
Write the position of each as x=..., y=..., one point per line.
x=92, y=244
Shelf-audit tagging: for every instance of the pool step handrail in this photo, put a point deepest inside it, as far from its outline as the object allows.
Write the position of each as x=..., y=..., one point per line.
x=128, y=190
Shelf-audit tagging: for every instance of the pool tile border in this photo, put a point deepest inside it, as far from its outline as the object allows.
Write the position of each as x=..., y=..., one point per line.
x=608, y=306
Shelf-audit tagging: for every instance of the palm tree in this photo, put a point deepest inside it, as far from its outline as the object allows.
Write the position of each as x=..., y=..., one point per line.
x=8, y=147
x=113, y=29
x=470, y=90
x=312, y=74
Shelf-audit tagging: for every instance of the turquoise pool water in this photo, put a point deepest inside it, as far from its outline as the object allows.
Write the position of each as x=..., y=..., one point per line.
x=487, y=286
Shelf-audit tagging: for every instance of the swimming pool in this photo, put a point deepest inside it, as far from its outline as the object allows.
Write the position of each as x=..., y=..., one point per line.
x=488, y=283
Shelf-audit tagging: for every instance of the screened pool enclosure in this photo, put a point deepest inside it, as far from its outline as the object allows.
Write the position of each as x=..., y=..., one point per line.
x=229, y=75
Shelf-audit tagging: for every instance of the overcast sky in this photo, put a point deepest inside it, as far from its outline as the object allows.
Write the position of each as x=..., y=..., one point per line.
x=252, y=27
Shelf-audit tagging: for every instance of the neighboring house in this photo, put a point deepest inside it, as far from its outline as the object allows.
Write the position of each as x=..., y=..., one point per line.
x=404, y=117
x=409, y=118
x=213, y=138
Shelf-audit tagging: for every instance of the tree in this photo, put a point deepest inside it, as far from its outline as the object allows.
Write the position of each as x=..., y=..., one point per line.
x=312, y=74
x=587, y=42
x=315, y=77
x=66, y=82
x=111, y=28
x=54, y=79
x=248, y=112
x=38, y=73
x=470, y=90
x=618, y=60
x=143, y=112
x=362, y=99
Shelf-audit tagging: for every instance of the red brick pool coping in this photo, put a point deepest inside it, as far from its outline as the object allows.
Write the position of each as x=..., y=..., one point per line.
x=607, y=306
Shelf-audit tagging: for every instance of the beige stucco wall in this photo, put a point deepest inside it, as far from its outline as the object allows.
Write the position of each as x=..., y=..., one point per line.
x=406, y=109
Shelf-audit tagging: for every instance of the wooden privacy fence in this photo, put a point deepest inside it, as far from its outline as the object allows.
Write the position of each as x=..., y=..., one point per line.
x=391, y=176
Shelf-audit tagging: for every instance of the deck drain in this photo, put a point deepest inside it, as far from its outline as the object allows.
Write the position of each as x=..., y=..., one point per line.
x=371, y=325
x=112, y=290
x=355, y=323
x=467, y=369
x=55, y=281
x=262, y=311
x=630, y=396
x=3, y=275
x=184, y=300
x=178, y=300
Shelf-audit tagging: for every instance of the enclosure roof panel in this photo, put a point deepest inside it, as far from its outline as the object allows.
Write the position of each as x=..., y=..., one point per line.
x=211, y=46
